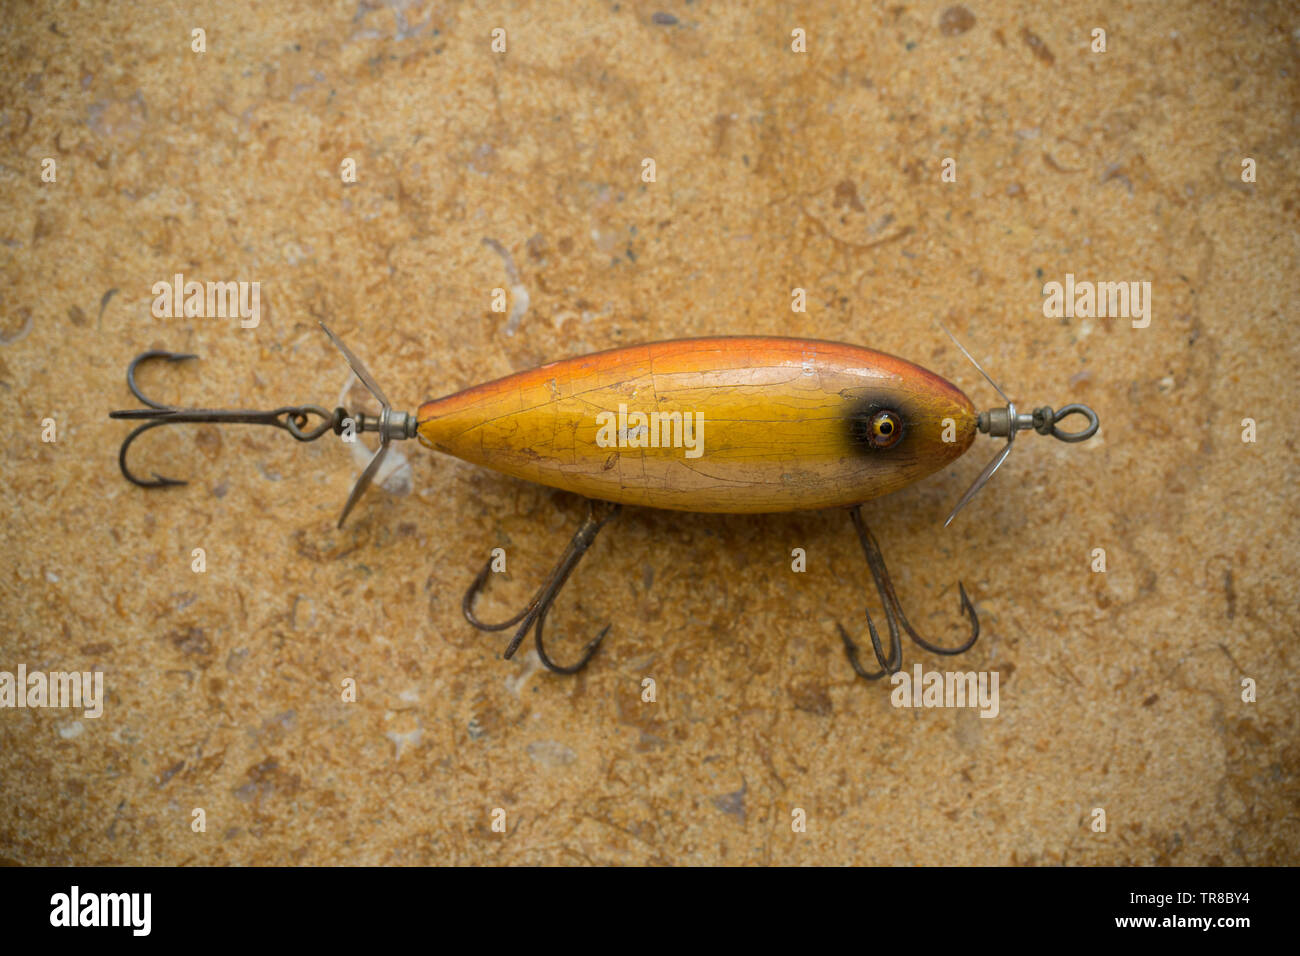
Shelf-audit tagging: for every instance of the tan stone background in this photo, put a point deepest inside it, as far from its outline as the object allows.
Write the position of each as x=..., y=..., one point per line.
x=775, y=170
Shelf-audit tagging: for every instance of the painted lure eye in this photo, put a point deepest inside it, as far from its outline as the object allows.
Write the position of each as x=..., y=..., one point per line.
x=884, y=429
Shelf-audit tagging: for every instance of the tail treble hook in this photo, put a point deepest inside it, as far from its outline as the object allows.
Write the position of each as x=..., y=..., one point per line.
x=599, y=513
x=894, y=615
x=291, y=418
x=295, y=419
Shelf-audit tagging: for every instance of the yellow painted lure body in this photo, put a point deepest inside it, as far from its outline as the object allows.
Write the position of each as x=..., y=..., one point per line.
x=729, y=424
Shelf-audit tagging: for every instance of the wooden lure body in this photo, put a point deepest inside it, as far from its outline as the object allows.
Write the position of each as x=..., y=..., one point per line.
x=726, y=424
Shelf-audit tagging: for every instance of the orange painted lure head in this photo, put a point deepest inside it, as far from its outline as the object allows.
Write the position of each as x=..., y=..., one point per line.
x=728, y=424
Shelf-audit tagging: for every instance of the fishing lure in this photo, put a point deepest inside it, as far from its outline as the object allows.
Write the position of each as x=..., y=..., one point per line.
x=727, y=424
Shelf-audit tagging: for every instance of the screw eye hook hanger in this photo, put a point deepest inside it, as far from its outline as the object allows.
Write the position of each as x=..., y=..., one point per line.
x=599, y=513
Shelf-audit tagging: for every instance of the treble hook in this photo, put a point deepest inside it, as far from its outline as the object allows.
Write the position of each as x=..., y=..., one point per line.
x=290, y=418
x=894, y=615
x=534, y=613
x=295, y=419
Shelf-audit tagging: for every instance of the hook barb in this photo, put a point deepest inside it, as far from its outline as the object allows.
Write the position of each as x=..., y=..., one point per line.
x=533, y=615
x=894, y=616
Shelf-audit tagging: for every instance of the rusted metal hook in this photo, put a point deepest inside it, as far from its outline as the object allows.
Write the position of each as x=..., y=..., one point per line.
x=291, y=418
x=534, y=613
x=894, y=615
x=295, y=419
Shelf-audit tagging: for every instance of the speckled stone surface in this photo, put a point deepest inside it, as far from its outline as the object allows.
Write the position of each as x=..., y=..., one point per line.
x=1119, y=690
